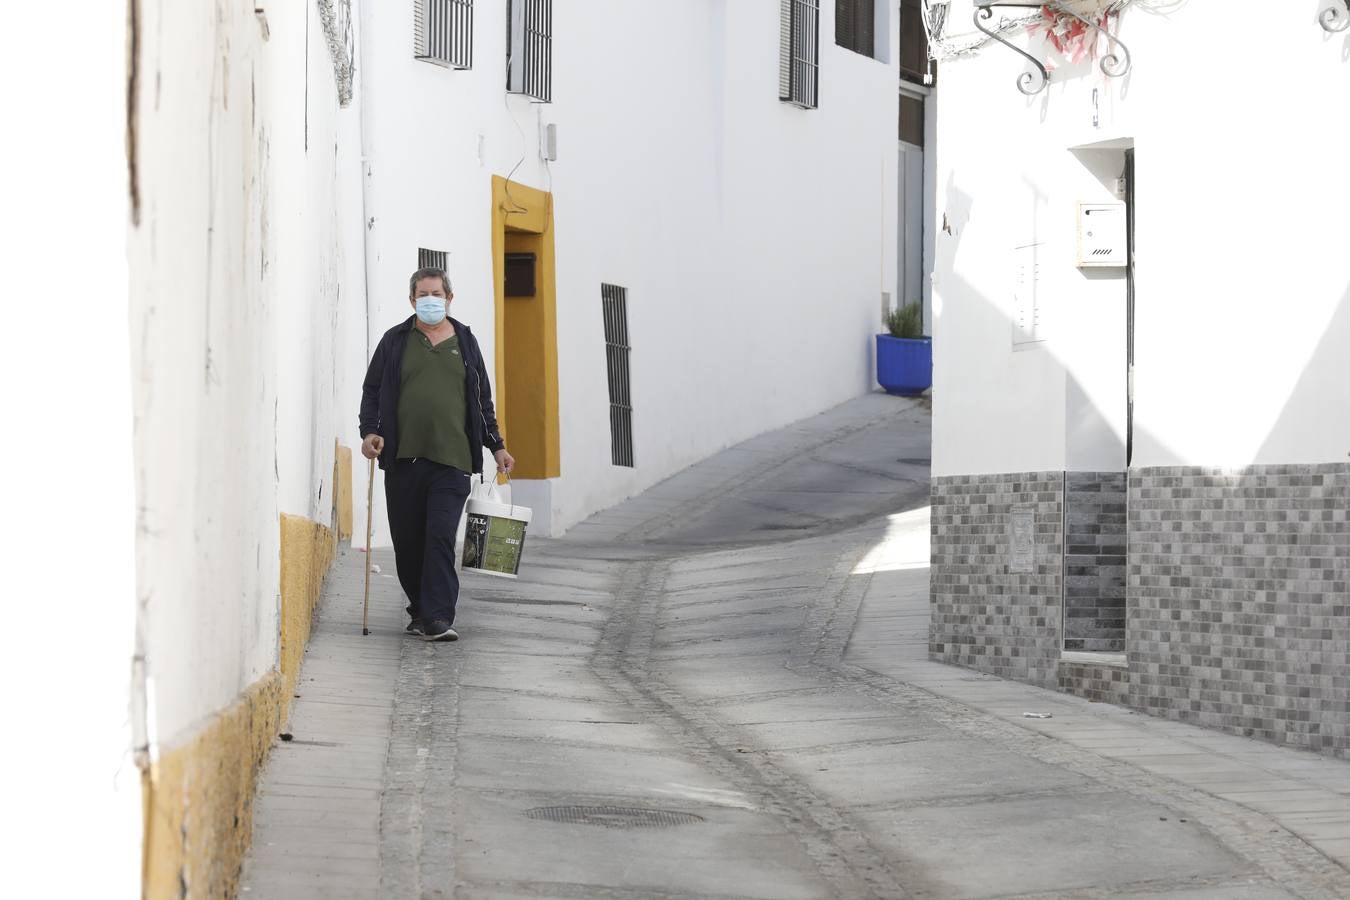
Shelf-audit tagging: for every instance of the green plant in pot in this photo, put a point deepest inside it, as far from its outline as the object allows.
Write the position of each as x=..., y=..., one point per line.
x=905, y=321
x=904, y=355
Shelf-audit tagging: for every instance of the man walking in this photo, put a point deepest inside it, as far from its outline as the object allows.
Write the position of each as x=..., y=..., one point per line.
x=426, y=412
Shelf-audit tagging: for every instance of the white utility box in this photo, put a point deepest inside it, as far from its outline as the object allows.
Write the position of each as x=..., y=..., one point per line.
x=1102, y=235
x=548, y=142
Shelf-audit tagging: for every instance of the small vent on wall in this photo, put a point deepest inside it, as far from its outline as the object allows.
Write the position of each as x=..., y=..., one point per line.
x=432, y=259
x=617, y=348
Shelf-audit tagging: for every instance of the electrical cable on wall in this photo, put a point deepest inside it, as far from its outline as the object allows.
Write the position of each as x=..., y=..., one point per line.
x=506, y=102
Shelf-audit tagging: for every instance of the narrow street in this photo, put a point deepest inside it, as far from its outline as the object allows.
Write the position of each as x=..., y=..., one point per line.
x=721, y=688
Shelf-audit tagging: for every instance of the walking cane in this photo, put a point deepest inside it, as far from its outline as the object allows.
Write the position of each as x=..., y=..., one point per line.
x=370, y=516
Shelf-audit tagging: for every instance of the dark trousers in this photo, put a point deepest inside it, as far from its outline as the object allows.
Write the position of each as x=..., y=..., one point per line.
x=425, y=500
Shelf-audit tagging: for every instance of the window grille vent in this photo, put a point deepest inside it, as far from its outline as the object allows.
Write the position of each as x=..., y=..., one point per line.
x=443, y=32
x=615, y=302
x=799, y=53
x=529, y=60
x=432, y=259
x=855, y=25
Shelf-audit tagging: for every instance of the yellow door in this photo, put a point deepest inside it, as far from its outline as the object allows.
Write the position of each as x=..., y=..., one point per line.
x=527, y=331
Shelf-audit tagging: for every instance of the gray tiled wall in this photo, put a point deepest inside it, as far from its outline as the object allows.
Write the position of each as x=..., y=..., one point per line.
x=1239, y=617
x=994, y=609
x=1094, y=561
x=1096, y=682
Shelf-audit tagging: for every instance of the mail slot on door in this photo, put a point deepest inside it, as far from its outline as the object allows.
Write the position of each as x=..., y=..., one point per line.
x=1101, y=235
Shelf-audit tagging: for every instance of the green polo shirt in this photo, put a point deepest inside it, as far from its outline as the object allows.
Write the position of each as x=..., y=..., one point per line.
x=432, y=404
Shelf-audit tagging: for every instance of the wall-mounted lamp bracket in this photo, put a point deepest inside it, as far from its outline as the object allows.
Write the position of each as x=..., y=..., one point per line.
x=1029, y=83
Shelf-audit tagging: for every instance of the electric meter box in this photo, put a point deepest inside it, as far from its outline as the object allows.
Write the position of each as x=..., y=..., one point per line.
x=1101, y=235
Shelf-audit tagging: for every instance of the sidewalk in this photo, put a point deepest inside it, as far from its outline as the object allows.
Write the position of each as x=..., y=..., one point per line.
x=1306, y=794
x=721, y=689
x=316, y=826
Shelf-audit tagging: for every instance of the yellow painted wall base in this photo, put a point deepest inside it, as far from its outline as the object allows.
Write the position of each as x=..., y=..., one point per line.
x=199, y=796
x=342, y=492
x=307, y=550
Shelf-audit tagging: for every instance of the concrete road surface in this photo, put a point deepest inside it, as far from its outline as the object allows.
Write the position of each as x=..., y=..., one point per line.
x=721, y=689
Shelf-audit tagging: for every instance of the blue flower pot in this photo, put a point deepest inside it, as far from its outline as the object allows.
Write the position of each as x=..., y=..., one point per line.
x=904, y=365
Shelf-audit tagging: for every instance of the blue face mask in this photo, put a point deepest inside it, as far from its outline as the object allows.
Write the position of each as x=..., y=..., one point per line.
x=431, y=310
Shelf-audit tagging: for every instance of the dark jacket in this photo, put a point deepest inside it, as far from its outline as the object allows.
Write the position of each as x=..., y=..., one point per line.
x=384, y=378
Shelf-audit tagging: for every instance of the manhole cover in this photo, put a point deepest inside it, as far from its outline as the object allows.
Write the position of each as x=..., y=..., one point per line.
x=613, y=816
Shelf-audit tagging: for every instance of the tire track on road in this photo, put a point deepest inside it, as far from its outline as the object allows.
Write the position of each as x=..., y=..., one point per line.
x=840, y=848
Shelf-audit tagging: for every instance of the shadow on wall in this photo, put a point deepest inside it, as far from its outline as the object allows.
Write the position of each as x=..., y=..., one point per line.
x=1325, y=375
x=955, y=218
x=999, y=541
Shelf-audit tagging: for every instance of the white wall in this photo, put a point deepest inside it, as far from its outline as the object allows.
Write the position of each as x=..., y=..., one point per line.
x=1242, y=292
x=238, y=310
x=317, y=278
x=186, y=395
x=754, y=239
x=69, y=529
x=202, y=348
x=930, y=188
x=1244, y=286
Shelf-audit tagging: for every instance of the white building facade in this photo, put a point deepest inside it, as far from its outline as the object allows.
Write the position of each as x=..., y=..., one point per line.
x=196, y=180
x=1142, y=363
x=698, y=261
x=247, y=273
x=688, y=244
x=71, y=528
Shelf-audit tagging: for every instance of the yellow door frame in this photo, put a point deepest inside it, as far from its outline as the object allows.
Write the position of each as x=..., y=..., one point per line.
x=524, y=210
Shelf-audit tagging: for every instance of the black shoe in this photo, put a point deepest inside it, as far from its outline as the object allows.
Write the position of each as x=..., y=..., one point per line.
x=414, y=627
x=438, y=630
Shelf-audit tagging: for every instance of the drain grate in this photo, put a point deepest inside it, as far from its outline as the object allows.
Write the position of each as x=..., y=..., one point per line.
x=915, y=460
x=613, y=816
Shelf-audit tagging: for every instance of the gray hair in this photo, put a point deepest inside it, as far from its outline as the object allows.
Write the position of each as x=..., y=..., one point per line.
x=429, y=272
